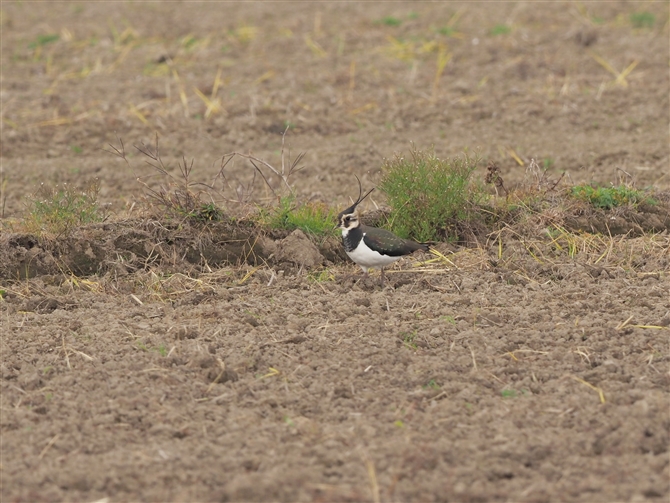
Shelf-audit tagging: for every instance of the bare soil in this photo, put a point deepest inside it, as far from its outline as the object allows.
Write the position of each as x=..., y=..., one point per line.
x=149, y=359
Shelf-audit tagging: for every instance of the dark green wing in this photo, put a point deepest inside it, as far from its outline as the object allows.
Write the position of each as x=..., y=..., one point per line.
x=387, y=243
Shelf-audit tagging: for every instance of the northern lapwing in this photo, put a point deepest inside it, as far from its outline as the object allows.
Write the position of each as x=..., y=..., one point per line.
x=371, y=247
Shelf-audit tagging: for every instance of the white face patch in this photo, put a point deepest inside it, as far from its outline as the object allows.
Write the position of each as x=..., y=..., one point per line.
x=348, y=222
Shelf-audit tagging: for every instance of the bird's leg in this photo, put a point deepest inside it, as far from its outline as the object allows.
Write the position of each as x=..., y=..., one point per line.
x=363, y=277
x=354, y=277
x=382, y=276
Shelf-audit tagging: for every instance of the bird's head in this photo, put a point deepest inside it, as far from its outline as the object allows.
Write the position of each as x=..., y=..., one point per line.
x=348, y=219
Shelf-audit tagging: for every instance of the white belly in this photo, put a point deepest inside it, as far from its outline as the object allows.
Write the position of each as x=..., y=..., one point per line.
x=370, y=259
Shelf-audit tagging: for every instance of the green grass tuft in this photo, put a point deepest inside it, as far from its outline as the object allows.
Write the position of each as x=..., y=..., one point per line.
x=390, y=21
x=426, y=193
x=57, y=210
x=206, y=212
x=44, y=40
x=320, y=276
x=446, y=30
x=609, y=197
x=312, y=218
x=500, y=29
x=642, y=19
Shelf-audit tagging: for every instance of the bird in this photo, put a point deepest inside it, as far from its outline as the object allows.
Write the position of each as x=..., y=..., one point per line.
x=371, y=247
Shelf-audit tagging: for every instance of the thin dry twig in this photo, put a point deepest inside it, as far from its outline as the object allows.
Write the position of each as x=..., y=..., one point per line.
x=374, y=485
x=601, y=394
x=623, y=324
x=48, y=446
x=288, y=167
x=183, y=196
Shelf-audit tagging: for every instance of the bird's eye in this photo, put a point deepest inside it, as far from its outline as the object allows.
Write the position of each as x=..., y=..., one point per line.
x=347, y=219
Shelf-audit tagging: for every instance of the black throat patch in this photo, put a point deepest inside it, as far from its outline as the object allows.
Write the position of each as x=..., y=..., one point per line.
x=353, y=237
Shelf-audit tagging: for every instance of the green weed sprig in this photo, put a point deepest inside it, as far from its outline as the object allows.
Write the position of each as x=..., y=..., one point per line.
x=426, y=192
